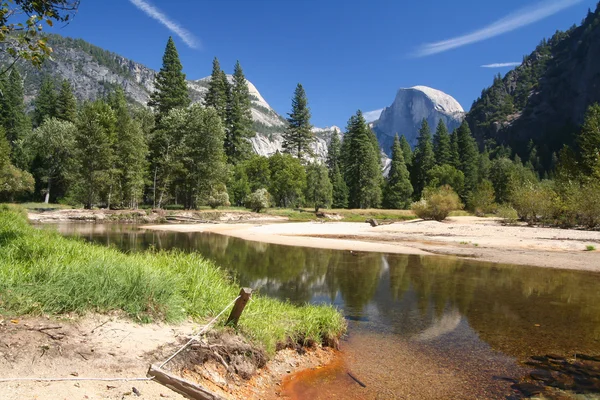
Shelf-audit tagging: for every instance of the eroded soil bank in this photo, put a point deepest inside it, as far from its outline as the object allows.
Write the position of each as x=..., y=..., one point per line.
x=484, y=239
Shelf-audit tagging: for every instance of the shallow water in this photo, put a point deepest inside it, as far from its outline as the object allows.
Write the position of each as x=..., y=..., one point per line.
x=419, y=326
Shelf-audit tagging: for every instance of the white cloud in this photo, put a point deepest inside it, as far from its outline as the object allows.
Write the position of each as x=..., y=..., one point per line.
x=518, y=19
x=372, y=116
x=501, y=65
x=153, y=12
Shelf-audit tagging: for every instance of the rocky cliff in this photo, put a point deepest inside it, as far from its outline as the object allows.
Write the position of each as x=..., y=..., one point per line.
x=545, y=98
x=408, y=110
x=94, y=71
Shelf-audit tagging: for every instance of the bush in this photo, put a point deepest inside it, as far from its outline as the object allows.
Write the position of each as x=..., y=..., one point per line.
x=481, y=201
x=220, y=199
x=508, y=214
x=437, y=203
x=586, y=204
x=535, y=202
x=258, y=201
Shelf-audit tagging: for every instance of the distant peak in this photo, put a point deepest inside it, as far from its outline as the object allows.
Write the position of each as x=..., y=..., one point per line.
x=443, y=101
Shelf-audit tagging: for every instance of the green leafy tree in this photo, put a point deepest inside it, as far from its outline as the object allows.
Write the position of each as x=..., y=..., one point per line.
x=362, y=164
x=66, y=103
x=288, y=180
x=130, y=150
x=93, y=154
x=319, y=190
x=170, y=86
x=195, y=166
x=406, y=152
x=469, y=157
x=53, y=144
x=258, y=172
x=238, y=186
x=423, y=160
x=340, y=189
x=588, y=141
x=446, y=175
x=398, y=189
x=298, y=135
x=218, y=88
x=45, y=103
x=441, y=145
x=239, y=119
x=21, y=26
x=259, y=200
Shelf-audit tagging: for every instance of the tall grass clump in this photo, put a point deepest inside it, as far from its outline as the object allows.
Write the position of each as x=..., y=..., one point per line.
x=42, y=272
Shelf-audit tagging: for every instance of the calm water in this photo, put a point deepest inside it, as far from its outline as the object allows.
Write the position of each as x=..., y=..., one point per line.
x=459, y=325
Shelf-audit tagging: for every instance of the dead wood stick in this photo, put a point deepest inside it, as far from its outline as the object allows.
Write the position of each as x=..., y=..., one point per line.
x=181, y=386
x=356, y=379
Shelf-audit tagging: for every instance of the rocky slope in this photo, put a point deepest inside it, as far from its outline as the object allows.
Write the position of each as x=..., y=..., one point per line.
x=93, y=72
x=545, y=98
x=408, y=110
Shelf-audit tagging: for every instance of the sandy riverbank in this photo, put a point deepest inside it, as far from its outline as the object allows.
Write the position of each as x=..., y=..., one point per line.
x=484, y=239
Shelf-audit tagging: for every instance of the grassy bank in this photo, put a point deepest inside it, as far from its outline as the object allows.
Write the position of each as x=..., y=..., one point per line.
x=44, y=273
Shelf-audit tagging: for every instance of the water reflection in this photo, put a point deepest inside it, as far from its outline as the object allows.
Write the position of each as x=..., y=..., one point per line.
x=440, y=302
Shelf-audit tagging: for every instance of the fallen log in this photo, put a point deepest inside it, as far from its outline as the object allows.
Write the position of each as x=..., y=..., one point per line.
x=181, y=386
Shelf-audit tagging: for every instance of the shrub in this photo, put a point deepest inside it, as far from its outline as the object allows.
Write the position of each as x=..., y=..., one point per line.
x=481, y=201
x=586, y=204
x=535, y=202
x=508, y=214
x=437, y=203
x=220, y=199
x=258, y=201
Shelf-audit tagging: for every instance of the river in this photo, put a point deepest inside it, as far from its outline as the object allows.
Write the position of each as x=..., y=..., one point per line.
x=420, y=327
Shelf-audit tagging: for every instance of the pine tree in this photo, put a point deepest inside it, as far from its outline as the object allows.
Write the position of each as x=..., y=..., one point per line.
x=130, y=149
x=588, y=141
x=398, y=189
x=423, y=160
x=298, y=136
x=340, y=190
x=406, y=151
x=45, y=103
x=441, y=145
x=362, y=164
x=469, y=157
x=66, y=103
x=217, y=91
x=319, y=190
x=239, y=119
x=454, y=155
x=170, y=87
x=14, y=119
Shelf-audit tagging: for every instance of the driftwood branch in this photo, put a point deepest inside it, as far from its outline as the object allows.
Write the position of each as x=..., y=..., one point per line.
x=181, y=386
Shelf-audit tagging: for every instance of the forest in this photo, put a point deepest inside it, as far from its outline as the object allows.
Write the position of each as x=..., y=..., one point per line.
x=109, y=153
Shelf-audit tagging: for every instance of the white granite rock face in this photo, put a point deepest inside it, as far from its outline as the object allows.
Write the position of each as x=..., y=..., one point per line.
x=408, y=110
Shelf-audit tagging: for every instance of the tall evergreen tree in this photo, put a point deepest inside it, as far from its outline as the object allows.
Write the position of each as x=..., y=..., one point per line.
x=423, y=160
x=406, y=152
x=340, y=190
x=217, y=91
x=441, y=145
x=66, y=103
x=588, y=141
x=130, y=149
x=45, y=103
x=454, y=155
x=239, y=119
x=362, y=164
x=14, y=119
x=398, y=189
x=93, y=153
x=170, y=87
x=469, y=157
x=298, y=136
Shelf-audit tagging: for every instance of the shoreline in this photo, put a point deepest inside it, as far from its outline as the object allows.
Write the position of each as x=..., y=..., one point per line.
x=480, y=239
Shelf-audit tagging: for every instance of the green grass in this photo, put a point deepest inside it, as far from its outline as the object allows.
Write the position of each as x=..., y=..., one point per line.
x=44, y=206
x=590, y=248
x=306, y=214
x=42, y=272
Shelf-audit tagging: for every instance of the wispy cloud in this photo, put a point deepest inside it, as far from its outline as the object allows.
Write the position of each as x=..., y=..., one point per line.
x=153, y=12
x=522, y=17
x=501, y=65
x=371, y=116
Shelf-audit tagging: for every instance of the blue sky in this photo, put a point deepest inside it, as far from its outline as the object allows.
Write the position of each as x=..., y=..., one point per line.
x=348, y=54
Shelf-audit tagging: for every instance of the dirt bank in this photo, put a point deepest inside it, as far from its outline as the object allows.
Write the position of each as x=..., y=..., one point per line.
x=108, y=347
x=485, y=239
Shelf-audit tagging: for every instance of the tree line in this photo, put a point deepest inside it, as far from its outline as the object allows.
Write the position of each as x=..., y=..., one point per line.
x=109, y=153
